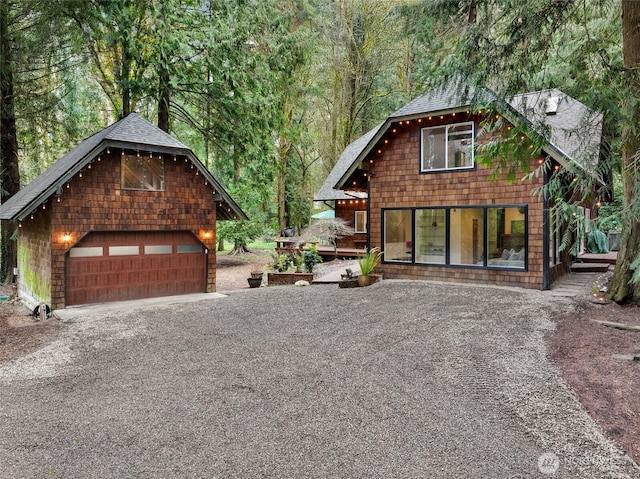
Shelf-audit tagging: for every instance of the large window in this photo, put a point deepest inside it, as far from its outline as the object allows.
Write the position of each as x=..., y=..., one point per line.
x=431, y=235
x=142, y=173
x=506, y=235
x=398, y=233
x=467, y=236
x=447, y=147
x=483, y=236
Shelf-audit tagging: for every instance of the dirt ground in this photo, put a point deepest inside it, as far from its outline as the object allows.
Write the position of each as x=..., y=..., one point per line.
x=607, y=386
x=582, y=349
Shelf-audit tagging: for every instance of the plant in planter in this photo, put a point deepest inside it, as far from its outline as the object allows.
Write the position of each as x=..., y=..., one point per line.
x=286, y=268
x=368, y=262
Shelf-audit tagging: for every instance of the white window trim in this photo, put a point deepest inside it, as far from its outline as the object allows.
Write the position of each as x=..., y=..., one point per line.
x=446, y=150
x=355, y=221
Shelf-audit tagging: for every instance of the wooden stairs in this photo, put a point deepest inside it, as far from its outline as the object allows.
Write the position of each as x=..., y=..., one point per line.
x=595, y=262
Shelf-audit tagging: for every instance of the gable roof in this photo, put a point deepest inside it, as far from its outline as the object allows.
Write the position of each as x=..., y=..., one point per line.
x=132, y=132
x=327, y=191
x=573, y=132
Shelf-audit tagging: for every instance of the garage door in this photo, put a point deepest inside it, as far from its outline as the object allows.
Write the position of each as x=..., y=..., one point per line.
x=111, y=266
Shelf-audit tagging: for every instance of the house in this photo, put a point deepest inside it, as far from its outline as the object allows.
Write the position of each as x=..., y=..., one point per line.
x=128, y=213
x=436, y=213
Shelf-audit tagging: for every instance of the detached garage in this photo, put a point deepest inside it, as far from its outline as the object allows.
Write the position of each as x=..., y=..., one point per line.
x=129, y=213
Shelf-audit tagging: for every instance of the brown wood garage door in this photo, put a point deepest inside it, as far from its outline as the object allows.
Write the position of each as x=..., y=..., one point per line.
x=120, y=266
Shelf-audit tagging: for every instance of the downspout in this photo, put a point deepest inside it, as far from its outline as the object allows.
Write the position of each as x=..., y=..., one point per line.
x=546, y=273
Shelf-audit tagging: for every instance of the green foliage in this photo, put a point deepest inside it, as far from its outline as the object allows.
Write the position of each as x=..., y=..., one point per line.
x=286, y=262
x=239, y=232
x=597, y=242
x=369, y=261
x=310, y=258
x=610, y=215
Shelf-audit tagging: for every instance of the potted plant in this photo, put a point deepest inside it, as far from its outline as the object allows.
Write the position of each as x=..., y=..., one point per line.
x=255, y=281
x=368, y=262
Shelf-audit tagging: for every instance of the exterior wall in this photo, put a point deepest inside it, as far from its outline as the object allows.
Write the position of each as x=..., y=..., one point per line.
x=34, y=259
x=398, y=183
x=96, y=202
x=346, y=209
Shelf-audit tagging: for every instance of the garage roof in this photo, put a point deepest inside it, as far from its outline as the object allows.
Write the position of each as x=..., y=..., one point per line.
x=132, y=132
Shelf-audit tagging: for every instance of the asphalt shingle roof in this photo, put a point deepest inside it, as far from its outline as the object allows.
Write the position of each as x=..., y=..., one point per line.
x=449, y=97
x=133, y=132
x=327, y=191
x=573, y=132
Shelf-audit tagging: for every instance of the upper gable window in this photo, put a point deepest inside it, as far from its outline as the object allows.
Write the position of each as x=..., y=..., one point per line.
x=447, y=147
x=142, y=173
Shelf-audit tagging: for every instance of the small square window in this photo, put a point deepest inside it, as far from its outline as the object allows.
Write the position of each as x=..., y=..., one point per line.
x=142, y=173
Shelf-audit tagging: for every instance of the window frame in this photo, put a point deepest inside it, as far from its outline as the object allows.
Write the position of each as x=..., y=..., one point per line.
x=413, y=257
x=362, y=213
x=385, y=250
x=447, y=127
x=140, y=174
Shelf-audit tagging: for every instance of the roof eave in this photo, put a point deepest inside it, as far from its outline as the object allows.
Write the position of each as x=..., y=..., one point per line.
x=383, y=130
x=88, y=158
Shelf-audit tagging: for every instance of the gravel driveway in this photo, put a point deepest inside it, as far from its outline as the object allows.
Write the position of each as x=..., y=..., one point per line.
x=399, y=380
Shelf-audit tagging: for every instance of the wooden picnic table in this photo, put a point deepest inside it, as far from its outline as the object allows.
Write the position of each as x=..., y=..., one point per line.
x=291, y=245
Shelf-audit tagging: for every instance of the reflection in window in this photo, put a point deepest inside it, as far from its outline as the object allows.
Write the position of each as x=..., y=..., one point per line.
x=142, y=173
x=447, y=147
x=397, y=235
x=431, y=236
x=360, y=222
x=506, y=237
x=555, y=236
x=467, y=236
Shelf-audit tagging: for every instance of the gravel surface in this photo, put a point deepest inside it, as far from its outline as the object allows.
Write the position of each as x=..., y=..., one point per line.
x=398, y=380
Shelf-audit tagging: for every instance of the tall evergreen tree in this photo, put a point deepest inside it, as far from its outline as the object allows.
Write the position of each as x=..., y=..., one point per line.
x=626, y=280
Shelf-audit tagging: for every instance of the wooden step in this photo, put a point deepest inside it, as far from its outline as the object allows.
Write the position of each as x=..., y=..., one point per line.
x=590, y=267
x=609, y=258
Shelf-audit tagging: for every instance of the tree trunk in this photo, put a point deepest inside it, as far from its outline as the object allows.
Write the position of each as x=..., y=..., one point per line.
x=622, y=290
x=9, y=168
x=163, y=101
x=282, y=187
x=125, y=75
x=283, y=158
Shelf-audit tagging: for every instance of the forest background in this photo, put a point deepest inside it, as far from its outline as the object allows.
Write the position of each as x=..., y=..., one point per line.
x=269, y=92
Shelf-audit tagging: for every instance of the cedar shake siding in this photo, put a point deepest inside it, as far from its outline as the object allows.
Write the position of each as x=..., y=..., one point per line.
x=34, y=258
x=346, y=209
x=96, y=202
x=436, y=214
x=397, y=183
x=128, y=213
